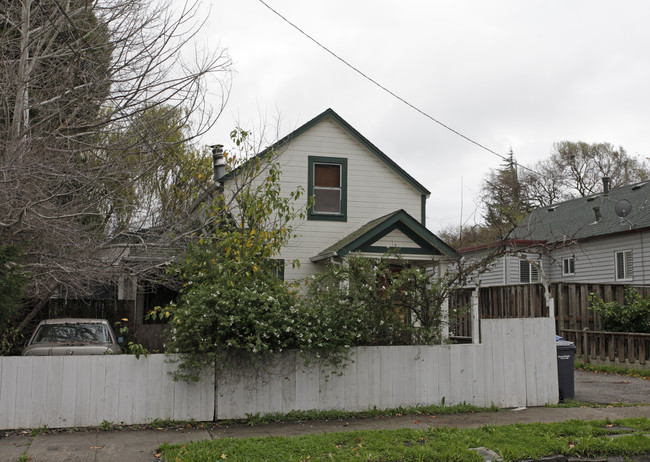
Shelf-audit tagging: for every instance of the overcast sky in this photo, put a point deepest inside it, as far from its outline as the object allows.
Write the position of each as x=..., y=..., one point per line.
x=521, y=74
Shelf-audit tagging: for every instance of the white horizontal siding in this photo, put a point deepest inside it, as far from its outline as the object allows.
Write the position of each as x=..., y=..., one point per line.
x=594, y=262
x=396, y=238
x=493, y=276
x=374, y=190
x=595, y=259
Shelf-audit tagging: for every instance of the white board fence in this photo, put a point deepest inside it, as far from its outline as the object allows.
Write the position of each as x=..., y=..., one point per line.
x=514, y=365
x=75, y=391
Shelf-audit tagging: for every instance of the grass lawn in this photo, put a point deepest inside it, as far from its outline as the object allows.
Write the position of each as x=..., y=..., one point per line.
x=512, y=442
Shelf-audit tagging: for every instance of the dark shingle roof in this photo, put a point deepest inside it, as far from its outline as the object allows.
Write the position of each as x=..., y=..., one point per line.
x=577, y=219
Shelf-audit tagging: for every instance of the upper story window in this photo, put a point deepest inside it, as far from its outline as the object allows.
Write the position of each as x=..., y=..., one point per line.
x=568, y=266
x=327, y=184
x=623, y=265
x=528, y=272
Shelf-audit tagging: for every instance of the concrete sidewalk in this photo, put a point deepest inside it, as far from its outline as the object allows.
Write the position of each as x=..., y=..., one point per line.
x=140, y=445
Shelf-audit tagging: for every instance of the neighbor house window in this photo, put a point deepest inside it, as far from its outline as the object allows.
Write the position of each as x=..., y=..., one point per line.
x=624, y=265
x=568, y=266
x=527, y=272
x=327, y=184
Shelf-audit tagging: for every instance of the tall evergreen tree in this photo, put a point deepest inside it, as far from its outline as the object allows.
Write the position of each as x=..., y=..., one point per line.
x=504, y=198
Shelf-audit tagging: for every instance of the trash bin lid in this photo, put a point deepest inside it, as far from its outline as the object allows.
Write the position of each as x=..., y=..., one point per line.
x=565, y=345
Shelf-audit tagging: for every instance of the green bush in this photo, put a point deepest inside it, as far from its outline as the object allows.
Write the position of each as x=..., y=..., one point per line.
x=379, y=301
x=633, y=316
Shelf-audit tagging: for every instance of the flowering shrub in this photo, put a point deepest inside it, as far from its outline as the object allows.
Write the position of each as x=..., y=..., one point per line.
x=379, y=301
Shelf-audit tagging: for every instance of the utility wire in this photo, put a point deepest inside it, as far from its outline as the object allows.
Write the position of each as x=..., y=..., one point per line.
x=394, y=95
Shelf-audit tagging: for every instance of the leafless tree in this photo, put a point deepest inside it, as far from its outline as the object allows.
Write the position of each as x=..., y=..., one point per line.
x=101, y=99
x=576, y=169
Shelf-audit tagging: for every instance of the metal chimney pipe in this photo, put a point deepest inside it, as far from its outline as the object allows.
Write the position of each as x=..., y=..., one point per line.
x=605, y=186
x=218, y=162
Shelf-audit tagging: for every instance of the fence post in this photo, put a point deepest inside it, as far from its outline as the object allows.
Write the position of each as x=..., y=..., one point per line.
x=475, y=321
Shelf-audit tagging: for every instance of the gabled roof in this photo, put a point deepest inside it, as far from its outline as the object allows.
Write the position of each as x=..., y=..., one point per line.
x=330, y=114
x=363, y=238
x=576, y=219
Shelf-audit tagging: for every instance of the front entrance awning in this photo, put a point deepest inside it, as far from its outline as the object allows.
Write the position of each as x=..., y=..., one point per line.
x=397, y=230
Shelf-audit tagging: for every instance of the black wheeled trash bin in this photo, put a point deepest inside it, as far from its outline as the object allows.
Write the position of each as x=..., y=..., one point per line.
x=566, y=353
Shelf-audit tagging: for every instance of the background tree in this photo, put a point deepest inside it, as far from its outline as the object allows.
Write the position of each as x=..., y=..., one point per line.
x=98, y=105
x=460, y=236
x=504, y=199
x=576, y=169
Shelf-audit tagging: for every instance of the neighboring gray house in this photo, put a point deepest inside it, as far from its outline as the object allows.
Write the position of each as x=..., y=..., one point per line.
x=600, y=239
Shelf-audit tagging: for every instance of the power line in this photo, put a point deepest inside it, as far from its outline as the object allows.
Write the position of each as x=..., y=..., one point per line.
x=370, y=79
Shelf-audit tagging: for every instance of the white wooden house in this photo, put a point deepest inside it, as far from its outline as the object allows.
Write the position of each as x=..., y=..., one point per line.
x=363, y=201
x=599, y=239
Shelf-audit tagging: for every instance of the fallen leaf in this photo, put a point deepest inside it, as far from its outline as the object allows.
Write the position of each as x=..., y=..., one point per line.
x=223, y=456
x=416, y=422
x=96, y=447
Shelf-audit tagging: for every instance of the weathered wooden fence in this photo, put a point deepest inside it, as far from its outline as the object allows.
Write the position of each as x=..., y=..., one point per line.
x=72, y=391
x=514, y=365
x=620, y=349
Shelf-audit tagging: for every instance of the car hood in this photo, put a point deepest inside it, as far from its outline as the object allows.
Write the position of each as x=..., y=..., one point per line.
x=59, y=349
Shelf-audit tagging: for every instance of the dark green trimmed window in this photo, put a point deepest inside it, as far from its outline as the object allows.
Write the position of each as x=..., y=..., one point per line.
x=327, y=183
x=279, y=268
x=276, y=267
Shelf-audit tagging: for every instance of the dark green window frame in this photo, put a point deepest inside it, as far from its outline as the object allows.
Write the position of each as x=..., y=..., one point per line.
x=278, y=268
x=343, y=163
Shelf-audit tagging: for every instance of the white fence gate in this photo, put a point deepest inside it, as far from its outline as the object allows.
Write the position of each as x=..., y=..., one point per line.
x=514, y=365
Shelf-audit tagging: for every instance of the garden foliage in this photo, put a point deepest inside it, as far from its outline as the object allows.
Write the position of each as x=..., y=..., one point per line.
x=632, y=316
x=381, y=301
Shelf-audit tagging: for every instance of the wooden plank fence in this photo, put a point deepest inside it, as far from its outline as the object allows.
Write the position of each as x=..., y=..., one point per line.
x=621, y=349
x=528, y=301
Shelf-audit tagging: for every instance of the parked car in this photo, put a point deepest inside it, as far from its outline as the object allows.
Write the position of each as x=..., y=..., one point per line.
x=72, y=336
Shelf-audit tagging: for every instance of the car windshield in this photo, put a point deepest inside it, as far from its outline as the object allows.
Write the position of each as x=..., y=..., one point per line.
x=72, y=333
